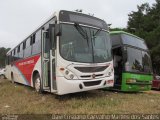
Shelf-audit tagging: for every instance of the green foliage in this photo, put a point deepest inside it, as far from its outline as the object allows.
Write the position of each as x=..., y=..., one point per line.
x=145, y=23
x=3, y=52
x=118, y=29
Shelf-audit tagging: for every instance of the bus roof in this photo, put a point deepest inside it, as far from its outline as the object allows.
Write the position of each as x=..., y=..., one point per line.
x=139, y=42
x=123, y=32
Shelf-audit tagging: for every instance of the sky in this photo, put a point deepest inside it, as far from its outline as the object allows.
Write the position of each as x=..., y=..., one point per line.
x=18, y=18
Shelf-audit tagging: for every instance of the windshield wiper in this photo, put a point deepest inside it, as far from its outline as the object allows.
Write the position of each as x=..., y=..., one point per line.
x=82, y=32
x=97, y=32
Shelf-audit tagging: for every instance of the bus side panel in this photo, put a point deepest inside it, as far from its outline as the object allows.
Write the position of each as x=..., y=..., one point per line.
x=136, y=87
x=23, y=69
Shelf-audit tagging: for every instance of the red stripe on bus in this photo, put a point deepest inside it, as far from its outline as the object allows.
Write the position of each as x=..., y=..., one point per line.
x=26, y=66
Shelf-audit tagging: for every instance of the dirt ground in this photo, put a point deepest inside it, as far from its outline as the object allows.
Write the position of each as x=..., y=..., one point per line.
x=19, y=99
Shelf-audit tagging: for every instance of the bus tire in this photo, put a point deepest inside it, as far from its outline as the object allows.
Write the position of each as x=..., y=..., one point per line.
x=37, y=83
x=2, y=77
x=12, y=78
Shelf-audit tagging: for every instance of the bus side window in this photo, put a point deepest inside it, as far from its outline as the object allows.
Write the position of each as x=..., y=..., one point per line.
x=36, y=43
x=18, y=51
x=33, y=38
x=24, y=45
x=27, y=50
x=16, y=54
x=21, y=51
x=12, y=59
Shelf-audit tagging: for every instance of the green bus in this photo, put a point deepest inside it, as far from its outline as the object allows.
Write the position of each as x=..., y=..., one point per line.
x=132, y=62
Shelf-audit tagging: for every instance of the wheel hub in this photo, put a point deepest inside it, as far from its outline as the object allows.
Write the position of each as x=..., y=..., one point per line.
x=37, y=84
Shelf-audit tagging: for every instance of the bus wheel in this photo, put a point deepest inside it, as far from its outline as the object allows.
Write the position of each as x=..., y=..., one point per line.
x=2, y=77
x=37, y=83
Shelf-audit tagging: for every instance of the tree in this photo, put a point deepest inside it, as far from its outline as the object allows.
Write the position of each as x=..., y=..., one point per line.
x=3, y=52
x=146, y=24
x=118, y=29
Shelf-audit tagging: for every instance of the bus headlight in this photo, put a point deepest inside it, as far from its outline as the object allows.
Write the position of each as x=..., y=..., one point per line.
x=69, y=75
x=131, y=81
x=66, y=72
x=109, y=73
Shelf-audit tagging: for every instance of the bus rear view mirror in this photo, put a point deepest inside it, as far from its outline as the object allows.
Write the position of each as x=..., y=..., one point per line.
x=125, y=54
x=58, y=30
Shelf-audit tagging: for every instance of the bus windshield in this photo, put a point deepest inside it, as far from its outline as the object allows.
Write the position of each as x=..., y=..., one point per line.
x=138, y=61
x=84, y=44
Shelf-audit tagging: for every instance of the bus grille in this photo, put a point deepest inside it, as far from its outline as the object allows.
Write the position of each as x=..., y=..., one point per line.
x=90, y=76
x=93, y=83
x=91, y=69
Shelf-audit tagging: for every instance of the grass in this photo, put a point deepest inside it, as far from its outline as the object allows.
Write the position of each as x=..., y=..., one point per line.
x=19, y=99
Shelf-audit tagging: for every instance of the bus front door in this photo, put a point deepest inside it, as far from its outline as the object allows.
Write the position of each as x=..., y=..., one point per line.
x=48, y=62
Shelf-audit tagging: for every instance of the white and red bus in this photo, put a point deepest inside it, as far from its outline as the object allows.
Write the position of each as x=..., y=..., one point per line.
x=70, y=52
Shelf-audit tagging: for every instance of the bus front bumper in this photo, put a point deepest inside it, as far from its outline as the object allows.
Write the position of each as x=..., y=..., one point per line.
x=65, y=86
x=136, y=87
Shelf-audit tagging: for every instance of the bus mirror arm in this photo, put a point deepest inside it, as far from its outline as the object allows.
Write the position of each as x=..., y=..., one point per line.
x=58, y=30
x=124, y=55
x=125, y=58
